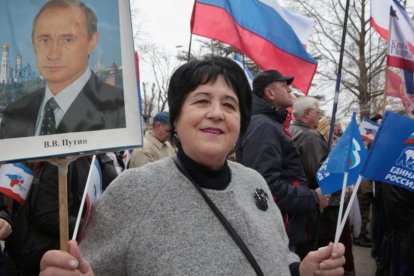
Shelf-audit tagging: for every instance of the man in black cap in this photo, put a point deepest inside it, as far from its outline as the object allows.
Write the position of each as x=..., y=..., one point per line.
x=267, y=148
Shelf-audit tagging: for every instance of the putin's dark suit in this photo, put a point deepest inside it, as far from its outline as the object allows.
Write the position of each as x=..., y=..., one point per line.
x=98, y=106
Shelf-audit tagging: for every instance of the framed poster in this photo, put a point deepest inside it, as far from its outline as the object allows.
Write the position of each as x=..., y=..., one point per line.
x=67, y=79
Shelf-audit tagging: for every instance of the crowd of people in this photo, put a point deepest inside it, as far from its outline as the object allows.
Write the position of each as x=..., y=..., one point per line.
x=271, y=213
x=167, y=226
x=223, y=185
x=285, y=158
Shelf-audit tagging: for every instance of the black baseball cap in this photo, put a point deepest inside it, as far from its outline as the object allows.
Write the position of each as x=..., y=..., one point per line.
x=265, y=78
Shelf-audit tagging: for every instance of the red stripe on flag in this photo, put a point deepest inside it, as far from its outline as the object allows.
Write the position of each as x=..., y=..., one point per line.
x=393, y=83
x=382, y=32
x=136, y=58
x=12, y=195
x=216, y=23
x=400, y=63
x=411, y=46
x=409, y=141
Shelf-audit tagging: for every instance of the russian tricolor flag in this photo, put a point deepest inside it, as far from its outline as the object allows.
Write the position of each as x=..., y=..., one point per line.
x=259, y=31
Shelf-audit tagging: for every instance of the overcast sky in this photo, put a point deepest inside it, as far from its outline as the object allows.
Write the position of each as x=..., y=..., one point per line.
x=167, y=23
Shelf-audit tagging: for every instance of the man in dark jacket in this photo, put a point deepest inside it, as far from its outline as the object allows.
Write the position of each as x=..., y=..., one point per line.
x=267, y=148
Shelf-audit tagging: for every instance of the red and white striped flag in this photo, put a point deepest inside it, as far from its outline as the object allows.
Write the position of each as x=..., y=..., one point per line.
x=368, y=129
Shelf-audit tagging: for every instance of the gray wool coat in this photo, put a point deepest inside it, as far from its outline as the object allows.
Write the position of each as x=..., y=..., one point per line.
x=152, y=221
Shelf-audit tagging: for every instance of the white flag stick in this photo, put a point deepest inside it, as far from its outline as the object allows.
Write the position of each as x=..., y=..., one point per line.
x=348, y=208
x=88, y=180
x=341, y=207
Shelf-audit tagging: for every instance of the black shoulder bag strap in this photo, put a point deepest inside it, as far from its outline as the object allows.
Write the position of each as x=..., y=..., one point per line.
x=222, y=219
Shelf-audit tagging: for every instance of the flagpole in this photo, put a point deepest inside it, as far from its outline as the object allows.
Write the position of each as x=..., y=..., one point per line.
x=341, y=208
x=189, y=47
x=348, y=208
x=338, y=77
x=191, y=32
x=384, y=103
x=85, y=191
x=370, y=72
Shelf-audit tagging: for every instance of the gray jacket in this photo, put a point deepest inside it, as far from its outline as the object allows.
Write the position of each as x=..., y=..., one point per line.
x=312, y=148
x=152, y=221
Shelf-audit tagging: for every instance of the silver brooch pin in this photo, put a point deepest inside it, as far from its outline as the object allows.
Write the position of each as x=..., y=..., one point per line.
x=261, y=197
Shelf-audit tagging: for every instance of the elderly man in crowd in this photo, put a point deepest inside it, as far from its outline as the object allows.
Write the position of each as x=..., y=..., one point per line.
x=313, y=150
x=156, y=142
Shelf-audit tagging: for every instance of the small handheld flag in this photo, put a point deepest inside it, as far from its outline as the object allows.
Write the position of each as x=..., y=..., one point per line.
x=368, y=129
x=344, y=162
x=92, y=193
x=15, y=181
x=348, y=156
x=391, y=157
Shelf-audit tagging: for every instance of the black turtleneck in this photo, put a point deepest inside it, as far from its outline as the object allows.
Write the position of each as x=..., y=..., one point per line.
x=206, y=177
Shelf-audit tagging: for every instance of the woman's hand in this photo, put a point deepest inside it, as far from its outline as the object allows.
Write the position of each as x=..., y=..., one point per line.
x=60, y=263
x=328, y=260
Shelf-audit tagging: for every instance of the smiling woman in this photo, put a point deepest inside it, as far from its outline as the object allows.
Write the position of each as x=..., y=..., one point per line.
x=173, y=210
x=219, y=108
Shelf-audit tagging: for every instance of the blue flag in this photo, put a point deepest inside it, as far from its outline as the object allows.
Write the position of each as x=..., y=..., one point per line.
x=348, y=155
x=391, y=157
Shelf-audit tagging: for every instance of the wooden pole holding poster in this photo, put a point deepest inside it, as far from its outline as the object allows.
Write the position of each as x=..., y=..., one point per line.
x=63, y=165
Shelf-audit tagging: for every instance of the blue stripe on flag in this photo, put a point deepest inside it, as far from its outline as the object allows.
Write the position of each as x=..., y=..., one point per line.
x=259, y=19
